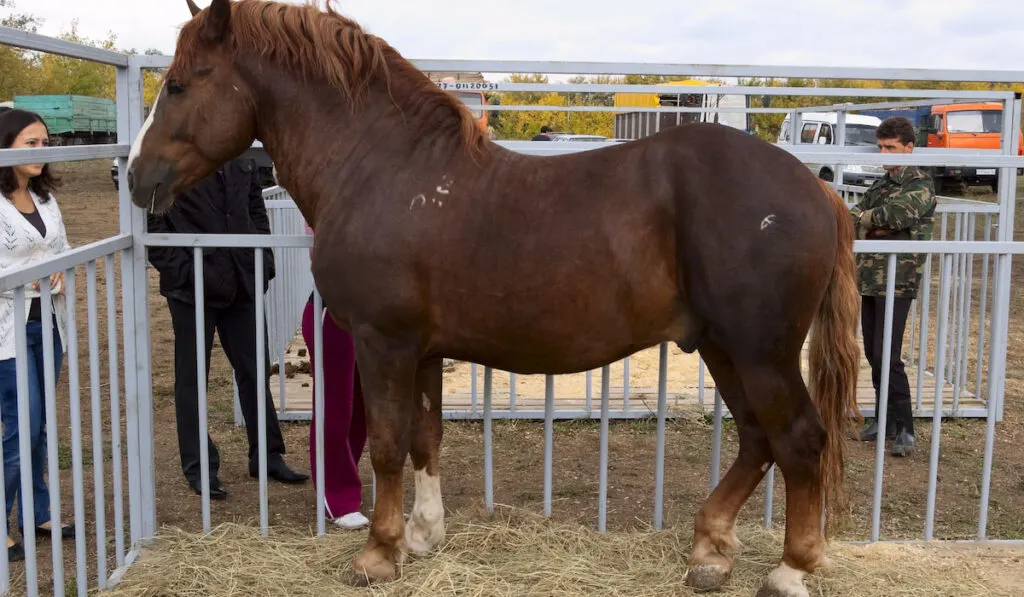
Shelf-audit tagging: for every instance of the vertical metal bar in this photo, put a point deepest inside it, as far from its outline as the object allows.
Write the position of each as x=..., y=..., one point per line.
x=602, y=483
x=115, y=415
x=282, y=306
x=840, y=139
x=25, y=440
x=129, y=121
x=883, y=401
x=769, y=496
x=960, y=309
x=488, y=447
x=50, y=400
x=625, y=385
x=549, y=417
x=933, y=470
x=319, y=316
x=589, y=392
x=261, y=393
x=912, y=318
x=142, y=347
x=472, y=387
x=983, y=308
x=201, y=384
x=77, y=474
x=239, y=419
x=99, y=489
x=1007, y=207
x=965, y=335
x=512, y=392
x=954, y=328
x=700, y=382
x=716, y=441
x=922, y=346
x=996, y=371
x=659, y=454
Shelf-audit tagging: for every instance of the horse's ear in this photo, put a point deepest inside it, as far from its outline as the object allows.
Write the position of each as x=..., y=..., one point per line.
x=192, y=7
x=218, y=21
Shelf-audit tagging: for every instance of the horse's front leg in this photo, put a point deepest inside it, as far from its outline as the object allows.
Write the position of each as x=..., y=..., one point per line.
x=388, y=373
x=425, y=528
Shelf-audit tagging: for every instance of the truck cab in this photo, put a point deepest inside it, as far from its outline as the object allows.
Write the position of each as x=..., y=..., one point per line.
x=966, y=126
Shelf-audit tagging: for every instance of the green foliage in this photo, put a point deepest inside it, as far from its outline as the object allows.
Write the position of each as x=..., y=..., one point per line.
x=14, y=62
x=33, y=73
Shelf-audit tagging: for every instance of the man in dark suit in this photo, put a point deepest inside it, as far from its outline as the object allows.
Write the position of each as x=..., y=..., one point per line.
x=229, y=201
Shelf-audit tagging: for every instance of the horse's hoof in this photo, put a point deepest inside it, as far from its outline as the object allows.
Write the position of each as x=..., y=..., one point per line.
x=707, y=577
x=422, y=536
x=784, y=582
x=372, y=566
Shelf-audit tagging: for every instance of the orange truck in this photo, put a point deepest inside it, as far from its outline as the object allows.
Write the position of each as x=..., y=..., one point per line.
x=966, y=126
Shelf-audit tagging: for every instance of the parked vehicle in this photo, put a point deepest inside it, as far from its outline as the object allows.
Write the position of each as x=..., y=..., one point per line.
x=73, y=119
x=642, y=123
x=966, y=126
x=820, y=128
x=957, y=126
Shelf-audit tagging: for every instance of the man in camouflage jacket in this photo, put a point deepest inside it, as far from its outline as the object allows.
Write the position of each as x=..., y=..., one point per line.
x=899, y=206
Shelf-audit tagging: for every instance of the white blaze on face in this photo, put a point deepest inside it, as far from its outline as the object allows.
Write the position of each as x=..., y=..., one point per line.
x=142, y=132
x=425, y=528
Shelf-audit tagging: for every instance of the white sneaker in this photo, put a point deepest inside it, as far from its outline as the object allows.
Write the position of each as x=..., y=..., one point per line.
x=352, y=521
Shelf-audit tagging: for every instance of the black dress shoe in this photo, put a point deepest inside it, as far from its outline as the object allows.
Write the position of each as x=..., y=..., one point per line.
x=904, y=444
x=16, y=553
x=66, y=532
x=278, y=470
x=217, y=491
x=870, y=433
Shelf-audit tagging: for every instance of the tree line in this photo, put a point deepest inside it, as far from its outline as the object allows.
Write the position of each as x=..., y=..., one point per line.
x=36, y=73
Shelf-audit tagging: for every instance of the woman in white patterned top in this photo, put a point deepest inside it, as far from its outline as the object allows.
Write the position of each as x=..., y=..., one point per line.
x=32, y=229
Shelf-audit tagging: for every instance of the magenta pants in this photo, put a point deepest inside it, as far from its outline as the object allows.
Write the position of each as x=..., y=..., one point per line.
x=344, y=417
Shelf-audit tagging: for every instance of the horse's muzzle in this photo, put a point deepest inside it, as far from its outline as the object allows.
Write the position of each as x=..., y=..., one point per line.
x=150, y=184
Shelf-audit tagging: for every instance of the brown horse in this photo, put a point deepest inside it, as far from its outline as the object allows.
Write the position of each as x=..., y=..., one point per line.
x=433, y=242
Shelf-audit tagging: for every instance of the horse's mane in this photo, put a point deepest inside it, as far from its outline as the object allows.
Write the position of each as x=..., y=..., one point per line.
x=322, y=45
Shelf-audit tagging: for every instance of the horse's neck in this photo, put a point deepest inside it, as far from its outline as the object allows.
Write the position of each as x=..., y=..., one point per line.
x=322, y=148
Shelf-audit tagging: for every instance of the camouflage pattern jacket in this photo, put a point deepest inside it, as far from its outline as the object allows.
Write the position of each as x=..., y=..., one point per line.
x=902, y=207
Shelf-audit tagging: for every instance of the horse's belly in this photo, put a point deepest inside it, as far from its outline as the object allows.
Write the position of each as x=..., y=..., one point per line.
x=557, y=330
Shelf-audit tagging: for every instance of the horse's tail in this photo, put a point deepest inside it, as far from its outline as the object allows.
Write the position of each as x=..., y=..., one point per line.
x=834, y=359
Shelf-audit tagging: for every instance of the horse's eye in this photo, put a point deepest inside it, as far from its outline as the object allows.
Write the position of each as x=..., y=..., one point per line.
x=174, y=88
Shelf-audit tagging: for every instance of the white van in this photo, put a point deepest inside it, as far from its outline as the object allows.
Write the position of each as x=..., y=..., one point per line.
x=820, y=128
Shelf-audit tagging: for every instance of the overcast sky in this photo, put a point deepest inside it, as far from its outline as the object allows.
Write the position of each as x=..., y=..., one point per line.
x=986, y=34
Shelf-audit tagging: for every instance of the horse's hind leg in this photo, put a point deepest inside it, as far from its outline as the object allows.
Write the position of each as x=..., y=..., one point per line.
x=425, y=528
x=388, y=373
x=715, y=542
x=797, y=437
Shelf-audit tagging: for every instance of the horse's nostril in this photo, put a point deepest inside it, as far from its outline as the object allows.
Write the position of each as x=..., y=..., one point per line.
x=131, y=180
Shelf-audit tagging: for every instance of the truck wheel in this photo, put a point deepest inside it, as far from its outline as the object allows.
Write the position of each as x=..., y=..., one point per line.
x=826, y=175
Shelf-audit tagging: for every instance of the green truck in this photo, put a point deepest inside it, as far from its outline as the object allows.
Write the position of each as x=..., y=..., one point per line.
x=73, y=119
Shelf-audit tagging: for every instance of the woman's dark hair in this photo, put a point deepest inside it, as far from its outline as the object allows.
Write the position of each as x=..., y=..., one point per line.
x=12, y=122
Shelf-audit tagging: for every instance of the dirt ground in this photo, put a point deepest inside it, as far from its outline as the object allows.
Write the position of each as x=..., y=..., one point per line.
x=89, y=205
